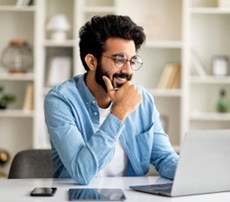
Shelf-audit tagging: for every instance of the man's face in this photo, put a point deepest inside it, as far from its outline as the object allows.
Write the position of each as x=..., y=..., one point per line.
x=107, y=66
x=117, y=78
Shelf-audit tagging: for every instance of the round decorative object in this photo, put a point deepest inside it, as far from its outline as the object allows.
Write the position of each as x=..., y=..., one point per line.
x=4, y=157
x=17, y=57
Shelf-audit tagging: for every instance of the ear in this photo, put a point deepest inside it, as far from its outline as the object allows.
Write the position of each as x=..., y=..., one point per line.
x=91, y=61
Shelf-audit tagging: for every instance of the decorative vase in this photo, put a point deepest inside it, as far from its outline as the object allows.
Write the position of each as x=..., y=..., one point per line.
x=17, y=57
x=2, y=106
x=222, y=102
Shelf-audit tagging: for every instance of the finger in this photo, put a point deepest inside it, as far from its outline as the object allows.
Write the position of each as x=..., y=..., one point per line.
x=108, y=83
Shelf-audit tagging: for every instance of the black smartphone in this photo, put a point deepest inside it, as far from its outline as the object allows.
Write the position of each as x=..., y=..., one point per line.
x=43, y=191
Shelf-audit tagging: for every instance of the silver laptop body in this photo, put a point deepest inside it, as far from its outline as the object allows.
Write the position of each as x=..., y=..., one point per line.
x=203, y=167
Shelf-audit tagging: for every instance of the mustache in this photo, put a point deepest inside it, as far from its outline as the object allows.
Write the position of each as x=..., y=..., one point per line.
x=123, y=76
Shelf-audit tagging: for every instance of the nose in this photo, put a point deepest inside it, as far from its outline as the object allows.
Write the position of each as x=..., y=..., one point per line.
x=127, y=69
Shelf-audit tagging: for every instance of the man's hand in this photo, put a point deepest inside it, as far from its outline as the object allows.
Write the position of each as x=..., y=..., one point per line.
x=125, y=100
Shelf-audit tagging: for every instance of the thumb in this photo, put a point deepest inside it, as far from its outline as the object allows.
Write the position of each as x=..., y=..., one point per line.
x=109, y=87
x=108, y=83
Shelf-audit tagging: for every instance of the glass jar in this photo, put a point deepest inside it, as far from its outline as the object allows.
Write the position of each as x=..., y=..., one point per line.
x=220, y=65
x=17, y=57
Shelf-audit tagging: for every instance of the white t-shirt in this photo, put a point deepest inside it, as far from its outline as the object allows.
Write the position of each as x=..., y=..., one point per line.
x=118, y=165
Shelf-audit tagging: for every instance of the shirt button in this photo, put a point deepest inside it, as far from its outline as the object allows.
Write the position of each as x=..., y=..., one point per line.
x=94, y=101
x=95, y=113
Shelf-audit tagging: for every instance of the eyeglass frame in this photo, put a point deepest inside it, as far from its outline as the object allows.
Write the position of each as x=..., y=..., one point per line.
x=113, y=57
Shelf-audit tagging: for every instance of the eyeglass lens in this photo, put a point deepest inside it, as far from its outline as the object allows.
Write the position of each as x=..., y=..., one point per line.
x=120, y=61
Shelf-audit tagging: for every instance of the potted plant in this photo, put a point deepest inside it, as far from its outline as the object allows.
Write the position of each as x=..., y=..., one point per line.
x=5, y=98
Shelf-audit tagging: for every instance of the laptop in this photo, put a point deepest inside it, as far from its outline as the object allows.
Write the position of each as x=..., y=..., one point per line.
x=203, y=167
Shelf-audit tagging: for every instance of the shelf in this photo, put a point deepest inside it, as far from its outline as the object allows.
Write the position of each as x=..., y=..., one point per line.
x=16, y=77
x=205, y=10
x=18, y=8
x=16, y=113
x=210, y=80
x=210, y=116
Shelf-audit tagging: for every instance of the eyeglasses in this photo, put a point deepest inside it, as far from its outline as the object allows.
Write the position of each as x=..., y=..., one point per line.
x=120, y=60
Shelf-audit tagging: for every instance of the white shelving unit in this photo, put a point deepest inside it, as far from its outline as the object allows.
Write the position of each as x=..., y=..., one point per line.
x=209, y=25
x=17, y=126
x=172, y=28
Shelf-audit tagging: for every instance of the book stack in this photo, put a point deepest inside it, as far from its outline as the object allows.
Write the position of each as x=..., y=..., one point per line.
x=170, y=77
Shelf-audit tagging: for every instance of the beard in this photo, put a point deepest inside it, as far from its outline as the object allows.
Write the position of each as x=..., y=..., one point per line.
x=100, y=73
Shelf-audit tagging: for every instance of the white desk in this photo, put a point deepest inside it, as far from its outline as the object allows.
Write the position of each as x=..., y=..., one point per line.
x=18, y=190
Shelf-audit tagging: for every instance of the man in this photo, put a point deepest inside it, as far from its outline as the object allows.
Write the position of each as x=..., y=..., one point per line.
x=100, y=123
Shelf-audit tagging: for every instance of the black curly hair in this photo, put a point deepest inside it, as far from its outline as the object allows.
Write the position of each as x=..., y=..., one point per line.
x=95, y=32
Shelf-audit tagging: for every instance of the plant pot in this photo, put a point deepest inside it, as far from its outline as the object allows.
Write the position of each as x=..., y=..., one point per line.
x=2, y=106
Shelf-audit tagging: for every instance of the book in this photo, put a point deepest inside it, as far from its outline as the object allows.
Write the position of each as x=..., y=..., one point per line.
x=173, y=81
x=170, y=77
x=197, y=64
x=28, y=102
x=164, y=77
x=176, y=81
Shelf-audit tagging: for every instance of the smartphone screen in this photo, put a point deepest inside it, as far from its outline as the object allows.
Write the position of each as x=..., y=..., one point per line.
x=96, y=194
x=43, y=191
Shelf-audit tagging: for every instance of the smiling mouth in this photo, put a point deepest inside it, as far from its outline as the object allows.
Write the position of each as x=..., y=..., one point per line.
x=120, y=79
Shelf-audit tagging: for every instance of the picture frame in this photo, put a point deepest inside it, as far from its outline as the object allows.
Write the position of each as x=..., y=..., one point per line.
x=59, y=70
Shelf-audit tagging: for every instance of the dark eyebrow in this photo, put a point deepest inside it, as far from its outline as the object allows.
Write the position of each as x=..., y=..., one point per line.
x=118, y=54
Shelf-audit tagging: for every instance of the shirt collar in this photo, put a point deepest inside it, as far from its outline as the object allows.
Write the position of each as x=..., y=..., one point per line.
x=83, y=90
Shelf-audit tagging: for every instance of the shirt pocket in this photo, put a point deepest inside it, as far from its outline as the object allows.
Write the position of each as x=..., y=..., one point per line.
x=145, y=143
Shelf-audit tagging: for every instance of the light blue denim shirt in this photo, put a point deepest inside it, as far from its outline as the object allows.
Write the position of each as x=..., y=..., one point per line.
x=81, y=147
